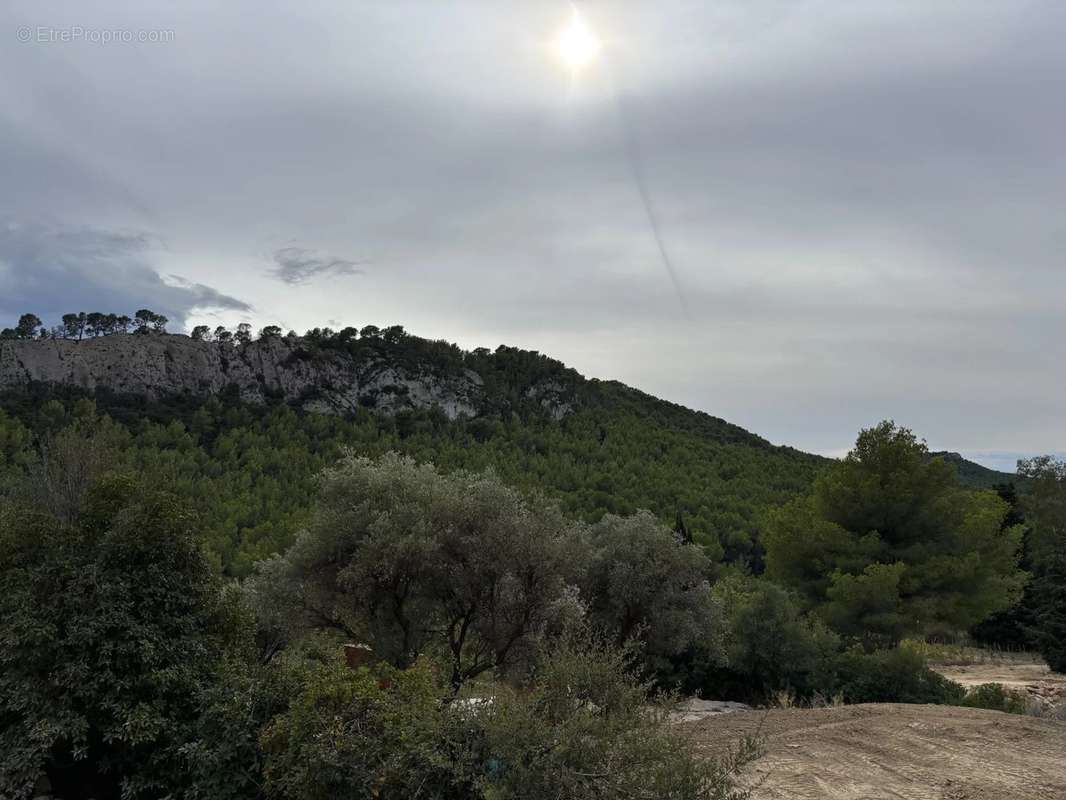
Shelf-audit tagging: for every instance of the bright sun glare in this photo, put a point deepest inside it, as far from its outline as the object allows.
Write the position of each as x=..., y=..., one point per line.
x=576, y=44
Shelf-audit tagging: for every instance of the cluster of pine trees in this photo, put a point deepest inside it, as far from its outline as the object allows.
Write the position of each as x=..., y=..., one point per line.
x=249, y=471
x=81, y=324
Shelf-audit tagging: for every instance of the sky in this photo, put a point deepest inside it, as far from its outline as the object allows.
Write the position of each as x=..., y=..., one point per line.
x=862, y=203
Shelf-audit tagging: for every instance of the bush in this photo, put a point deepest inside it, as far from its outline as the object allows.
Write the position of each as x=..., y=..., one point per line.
x=381, y=733
x=223, y=757
x=893, y=676
x=109, y=629
x=586, y=728
x=643, y=584
x=581, y=726
x=769, y=645
x=995, y=697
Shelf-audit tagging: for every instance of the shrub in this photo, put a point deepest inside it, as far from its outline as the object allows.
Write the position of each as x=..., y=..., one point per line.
x=223, y=757
x=643, y=584
x=769, y=645
x=898, y=675
x=380, y=733
x=995, y=697
x=587, y=728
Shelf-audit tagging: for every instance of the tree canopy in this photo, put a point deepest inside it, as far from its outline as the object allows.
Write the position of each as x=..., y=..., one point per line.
x=410, y=559
x=888, y=543
x=109, y=628
x=644, y=583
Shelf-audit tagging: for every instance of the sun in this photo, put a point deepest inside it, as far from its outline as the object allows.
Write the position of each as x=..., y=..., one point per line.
x=576, y=44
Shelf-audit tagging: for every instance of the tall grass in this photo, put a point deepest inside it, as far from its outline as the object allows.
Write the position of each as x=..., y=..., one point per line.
x=965, y=653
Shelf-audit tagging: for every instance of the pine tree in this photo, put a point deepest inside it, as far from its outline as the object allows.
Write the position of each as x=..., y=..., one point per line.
x=681, y=533
x=889, y=544
x=1049, y=600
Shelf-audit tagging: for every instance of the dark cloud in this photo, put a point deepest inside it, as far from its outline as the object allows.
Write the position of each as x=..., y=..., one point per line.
x=54, y=269
x=298, y=265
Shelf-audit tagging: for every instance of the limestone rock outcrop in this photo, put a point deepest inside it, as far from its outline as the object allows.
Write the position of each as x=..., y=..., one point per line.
x=159, y=365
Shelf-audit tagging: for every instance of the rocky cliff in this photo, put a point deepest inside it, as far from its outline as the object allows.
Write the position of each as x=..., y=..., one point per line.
x=158, y=365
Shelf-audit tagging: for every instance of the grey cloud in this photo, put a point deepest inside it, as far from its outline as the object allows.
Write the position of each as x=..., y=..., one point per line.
x=54, y=269
x=862, y=200
x=298, y=265
x=203, y=298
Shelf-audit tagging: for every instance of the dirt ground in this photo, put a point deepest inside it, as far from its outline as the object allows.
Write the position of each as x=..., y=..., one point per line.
x=895, y=752
x=1030, y=676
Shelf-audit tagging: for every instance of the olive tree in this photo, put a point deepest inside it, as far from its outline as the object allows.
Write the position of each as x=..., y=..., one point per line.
x=768, y=643
x=410, y=559
x=71, y=460
x=645, y=584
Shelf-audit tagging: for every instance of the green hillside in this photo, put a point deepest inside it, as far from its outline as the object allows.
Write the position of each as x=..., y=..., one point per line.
x=976, y=476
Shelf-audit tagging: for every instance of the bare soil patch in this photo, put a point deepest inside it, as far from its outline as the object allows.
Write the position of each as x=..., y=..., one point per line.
x=895, y=752
x=1032, y=677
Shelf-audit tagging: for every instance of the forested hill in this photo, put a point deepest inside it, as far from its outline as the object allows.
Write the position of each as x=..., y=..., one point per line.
x=979, y=477
x=229, y=423
x=387, y=371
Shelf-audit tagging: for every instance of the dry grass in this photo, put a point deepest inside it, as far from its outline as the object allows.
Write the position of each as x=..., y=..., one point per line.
x=949, y=654
x=786, y=698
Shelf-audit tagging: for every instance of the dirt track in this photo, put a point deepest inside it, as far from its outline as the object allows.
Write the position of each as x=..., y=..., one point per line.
x=896, y=752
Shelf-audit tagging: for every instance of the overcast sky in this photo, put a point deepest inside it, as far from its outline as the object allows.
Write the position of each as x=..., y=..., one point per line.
x=864, y=202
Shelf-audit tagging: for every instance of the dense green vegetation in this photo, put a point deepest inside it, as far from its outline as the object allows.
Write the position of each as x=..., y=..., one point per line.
x=976, y=476
x=1038, y=620
x=112, y=625
x=130, y=669
x=1043, y=608
x=249, y=471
